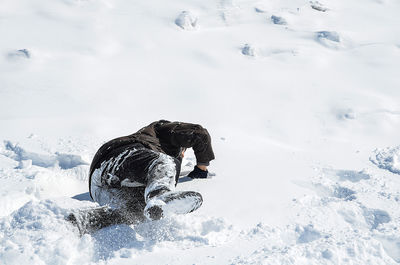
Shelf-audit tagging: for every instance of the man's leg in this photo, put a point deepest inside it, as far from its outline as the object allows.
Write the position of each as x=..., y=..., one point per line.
x=162, y=176
x=119, y=203
x=160, y=195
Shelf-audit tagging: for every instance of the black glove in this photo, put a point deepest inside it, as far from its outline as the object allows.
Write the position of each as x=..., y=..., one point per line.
x=197, y=173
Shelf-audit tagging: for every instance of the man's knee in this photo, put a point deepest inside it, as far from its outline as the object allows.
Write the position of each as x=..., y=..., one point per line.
x=163, y=167
x=156, y=192
x=162, y=177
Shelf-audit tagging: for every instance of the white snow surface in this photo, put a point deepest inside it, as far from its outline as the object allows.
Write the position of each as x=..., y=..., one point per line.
x=304, y=117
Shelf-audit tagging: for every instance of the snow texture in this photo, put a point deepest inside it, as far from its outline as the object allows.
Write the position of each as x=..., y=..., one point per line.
x=387, y=158
x=304, y=120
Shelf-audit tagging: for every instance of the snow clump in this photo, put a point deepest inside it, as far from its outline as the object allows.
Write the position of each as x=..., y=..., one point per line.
x=318, y=6
x=387, y=158
x=278, y=20
x=248, y=50
x=186, y=20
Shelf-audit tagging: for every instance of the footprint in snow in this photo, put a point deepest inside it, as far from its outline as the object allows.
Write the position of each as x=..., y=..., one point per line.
x=19, y=54
x=249, y=50
x=345, y=114
x=375, y=217
x=334, y=191
x=186, y=20
x=278, y=20
x=372, y=217
x=307, y=234
x=259, y=10
x=344, y=193
x=328, y=35
x=281, y=53
x=329, y=39
x=346, y=175
x=318, y=6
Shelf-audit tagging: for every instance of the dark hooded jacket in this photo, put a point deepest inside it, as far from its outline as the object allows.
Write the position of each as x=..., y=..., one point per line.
x=161, y=136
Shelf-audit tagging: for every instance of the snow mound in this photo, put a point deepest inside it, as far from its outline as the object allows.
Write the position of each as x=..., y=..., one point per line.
x=187, y=230
x=39, y=233
x=39, y=174
x=307, y=244
x=387, y=158
x=177, y=233
x=336, y=225
x=186, y=20
x=26, y=158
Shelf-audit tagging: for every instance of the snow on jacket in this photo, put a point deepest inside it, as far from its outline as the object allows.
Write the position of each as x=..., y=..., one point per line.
x=161, y=136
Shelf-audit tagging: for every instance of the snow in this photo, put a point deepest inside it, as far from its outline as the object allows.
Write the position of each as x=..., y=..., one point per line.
x=387, y=158
x=304, y=119
x=186, y=20
x=278, y=20
x=26, y=159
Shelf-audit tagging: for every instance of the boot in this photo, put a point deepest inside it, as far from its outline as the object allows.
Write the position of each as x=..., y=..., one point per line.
x=172, y=202
x=93, y=219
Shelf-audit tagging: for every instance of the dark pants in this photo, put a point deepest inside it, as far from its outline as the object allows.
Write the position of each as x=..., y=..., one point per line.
x=128, y=180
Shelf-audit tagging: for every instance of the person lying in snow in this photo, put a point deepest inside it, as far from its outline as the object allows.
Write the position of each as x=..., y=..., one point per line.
x=134, y=176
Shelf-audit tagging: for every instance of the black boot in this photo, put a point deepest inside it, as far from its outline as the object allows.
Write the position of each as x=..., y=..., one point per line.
x=172, y=202
x=93, y=219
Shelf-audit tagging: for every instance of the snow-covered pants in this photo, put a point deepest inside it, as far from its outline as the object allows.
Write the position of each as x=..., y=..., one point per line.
x=127, y=181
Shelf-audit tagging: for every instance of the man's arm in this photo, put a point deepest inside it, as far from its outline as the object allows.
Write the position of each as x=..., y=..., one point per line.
x=189, y=135
x=202, y=167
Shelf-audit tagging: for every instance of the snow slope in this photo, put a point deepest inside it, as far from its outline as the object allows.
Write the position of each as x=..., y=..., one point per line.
x=301, y=99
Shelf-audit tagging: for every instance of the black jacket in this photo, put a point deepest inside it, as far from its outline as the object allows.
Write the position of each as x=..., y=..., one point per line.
x=162, y=136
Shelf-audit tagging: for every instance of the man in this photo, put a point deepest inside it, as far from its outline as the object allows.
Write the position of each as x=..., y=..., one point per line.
x=135, y=176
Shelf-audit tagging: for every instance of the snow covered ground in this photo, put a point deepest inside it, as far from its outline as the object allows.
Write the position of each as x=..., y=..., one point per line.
x=301, y=99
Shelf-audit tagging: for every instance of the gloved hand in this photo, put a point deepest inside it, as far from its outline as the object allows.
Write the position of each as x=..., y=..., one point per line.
x=197, y=173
